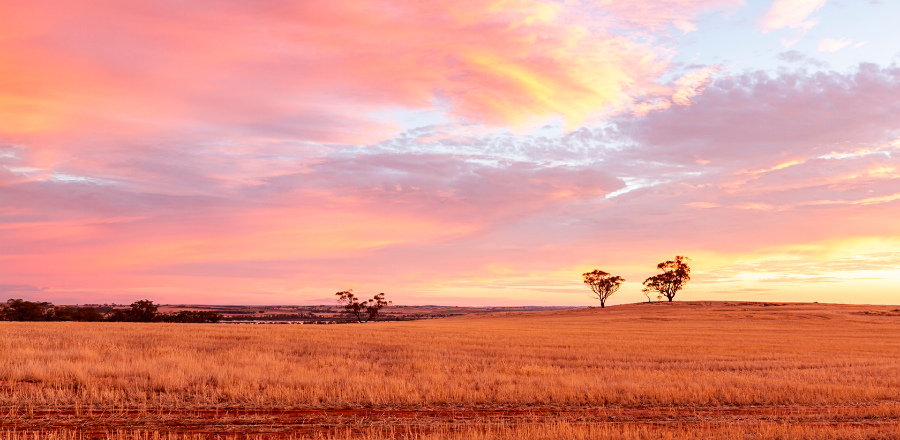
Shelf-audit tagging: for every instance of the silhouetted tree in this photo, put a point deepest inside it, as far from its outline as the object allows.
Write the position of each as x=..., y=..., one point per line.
x=375, y=305
x=602, y=284
x=140, y=311
x=675, y=275
x=61, y=313
x=191, y=316
x=118, y=315
x=353, y=306
x=84, y=314
x=143, y=311
x=20, y=310
x=351, y=303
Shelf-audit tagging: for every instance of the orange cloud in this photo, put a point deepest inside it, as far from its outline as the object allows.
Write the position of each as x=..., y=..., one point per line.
x=315, y=71
x=692, y=84
x=684, y=88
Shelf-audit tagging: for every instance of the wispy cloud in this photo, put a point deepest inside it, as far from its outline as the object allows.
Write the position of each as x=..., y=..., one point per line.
x=658, y=14
x=792, y=14
x=832, y=45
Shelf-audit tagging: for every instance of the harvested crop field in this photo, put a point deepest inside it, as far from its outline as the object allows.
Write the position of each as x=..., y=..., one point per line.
x=661, y=370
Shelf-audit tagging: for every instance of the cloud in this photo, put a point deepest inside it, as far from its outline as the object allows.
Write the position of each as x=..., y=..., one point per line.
x=493, y=209
x=684, y=26
x=315, y=71
x=179, y=151
x=831, y=45
x=642, y=108
x=692, y=84
x=791, y=56
x=450, y=183
x=791, y=107
x=680, y=92
x=790, y=13
x=655, y=15
x=10, y=288
x=858, y=45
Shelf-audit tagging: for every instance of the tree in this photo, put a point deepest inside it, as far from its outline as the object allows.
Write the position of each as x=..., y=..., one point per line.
x=351, y=303
x=117, y=315
x=675, y=275
x=86, y=314
x=353, y=306
x=602, y=284
x=66, y=313
x=143, y=311
x=375, y=305
x=20, y=310
x=192, y=317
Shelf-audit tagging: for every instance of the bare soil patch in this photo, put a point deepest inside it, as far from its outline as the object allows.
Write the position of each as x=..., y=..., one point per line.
x=98, y=423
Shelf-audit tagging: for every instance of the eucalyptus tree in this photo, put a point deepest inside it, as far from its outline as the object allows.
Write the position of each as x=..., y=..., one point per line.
x=675, y=274
x=602, y=284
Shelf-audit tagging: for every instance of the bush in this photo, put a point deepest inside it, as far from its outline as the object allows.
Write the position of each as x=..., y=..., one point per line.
x=187, y=316
x=82, y=314
x=140, y=311
x=20, y=310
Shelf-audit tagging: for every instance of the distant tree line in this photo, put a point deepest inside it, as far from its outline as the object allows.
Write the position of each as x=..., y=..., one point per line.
x=140, y=311
x=675, y=275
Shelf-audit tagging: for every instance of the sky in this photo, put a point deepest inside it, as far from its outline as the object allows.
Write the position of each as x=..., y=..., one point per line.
x=448, y=152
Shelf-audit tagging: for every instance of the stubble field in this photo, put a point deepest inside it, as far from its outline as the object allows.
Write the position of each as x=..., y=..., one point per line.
x=643, y=371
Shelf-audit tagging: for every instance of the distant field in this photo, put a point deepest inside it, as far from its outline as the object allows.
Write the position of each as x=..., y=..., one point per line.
x=329, y=314
x=642, y=371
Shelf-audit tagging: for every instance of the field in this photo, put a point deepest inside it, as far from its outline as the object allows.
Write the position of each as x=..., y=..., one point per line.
x=322, y=314
x=643, y=371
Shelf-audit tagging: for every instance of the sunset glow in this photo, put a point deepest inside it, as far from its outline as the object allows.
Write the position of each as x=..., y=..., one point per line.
x=448, y=152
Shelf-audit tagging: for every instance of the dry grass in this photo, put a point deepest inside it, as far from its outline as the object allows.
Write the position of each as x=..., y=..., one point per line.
x=834, y=363
x=559, y=430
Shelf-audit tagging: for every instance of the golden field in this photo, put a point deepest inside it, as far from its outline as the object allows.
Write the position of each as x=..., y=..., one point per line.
x=661, y=370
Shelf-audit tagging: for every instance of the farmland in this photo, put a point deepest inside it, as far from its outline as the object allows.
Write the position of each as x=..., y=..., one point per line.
x=323, y=314
x=677, y=370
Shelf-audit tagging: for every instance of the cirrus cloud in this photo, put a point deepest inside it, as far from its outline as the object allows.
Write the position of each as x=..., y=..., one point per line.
x=832, y=45
x=790, y=13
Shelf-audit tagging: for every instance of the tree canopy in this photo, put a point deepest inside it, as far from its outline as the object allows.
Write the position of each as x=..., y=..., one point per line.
x=140, y=311
x=602, y=284
x=368, y=308
x=676, y=273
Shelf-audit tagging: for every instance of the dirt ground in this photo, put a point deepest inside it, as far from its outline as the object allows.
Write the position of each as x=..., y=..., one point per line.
x=95, y=424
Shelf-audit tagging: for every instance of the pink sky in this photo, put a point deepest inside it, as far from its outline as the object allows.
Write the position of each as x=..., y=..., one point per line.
x=464, y=152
